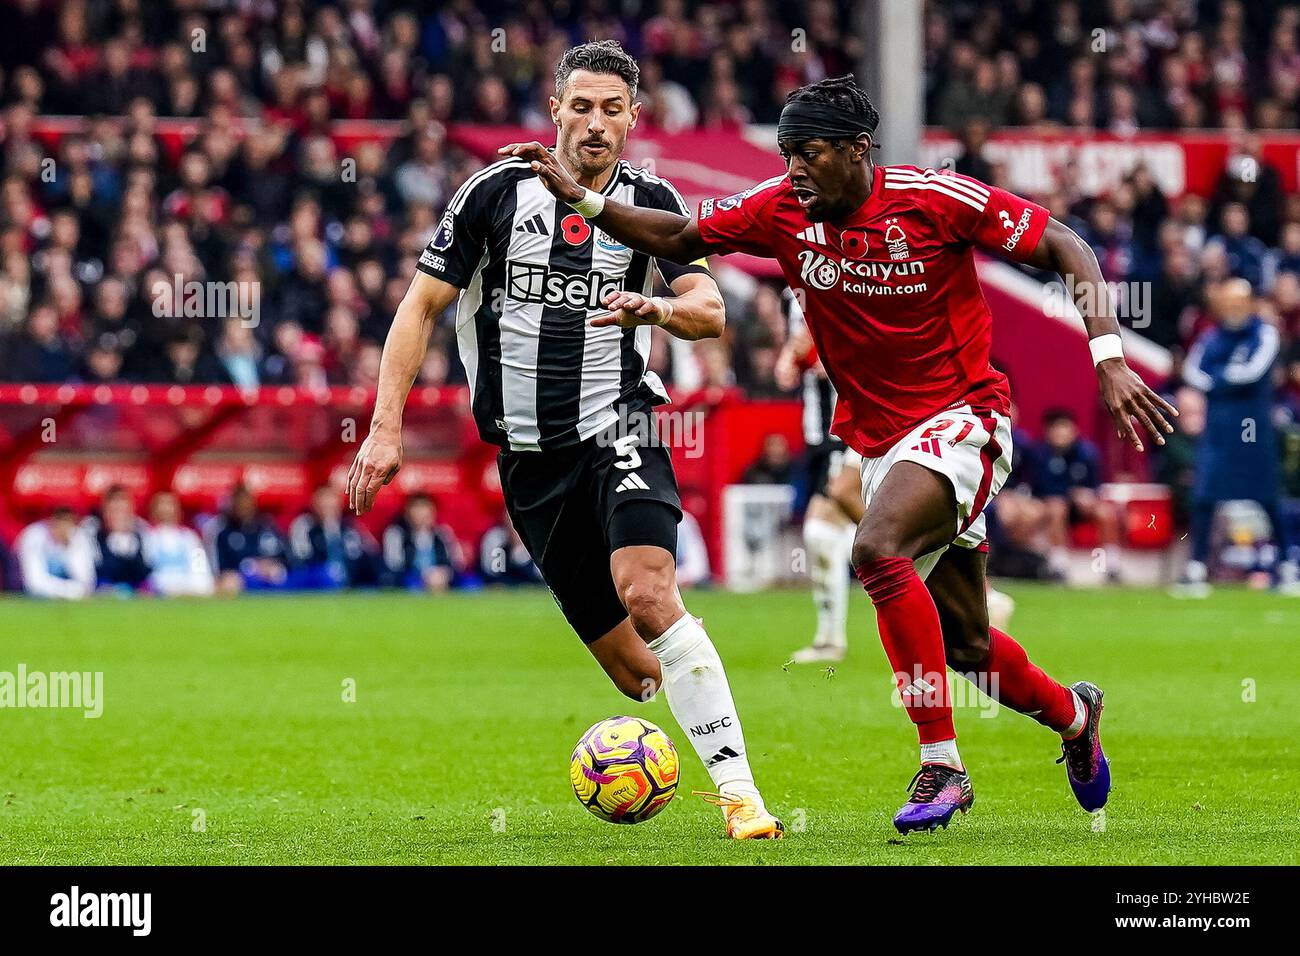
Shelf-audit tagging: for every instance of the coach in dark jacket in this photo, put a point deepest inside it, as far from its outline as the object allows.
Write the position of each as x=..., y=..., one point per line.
x=119, y=542
x=329, y=550
x=418, y=552
x=247, y=549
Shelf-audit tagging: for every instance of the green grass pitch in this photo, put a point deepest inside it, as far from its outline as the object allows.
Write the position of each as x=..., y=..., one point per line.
x=225, y=737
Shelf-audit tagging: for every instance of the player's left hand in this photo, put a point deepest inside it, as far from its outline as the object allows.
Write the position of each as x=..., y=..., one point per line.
x=627, y=310
x=549, y=170
x=1129, y=399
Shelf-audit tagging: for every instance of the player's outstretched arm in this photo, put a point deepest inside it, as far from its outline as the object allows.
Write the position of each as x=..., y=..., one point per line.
x=694, y=311
x=657, y=232
x=380, y=455
x=1061, y=250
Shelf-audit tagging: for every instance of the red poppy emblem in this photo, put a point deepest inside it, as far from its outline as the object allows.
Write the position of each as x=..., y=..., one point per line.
x=575, y=229
x=854, y=243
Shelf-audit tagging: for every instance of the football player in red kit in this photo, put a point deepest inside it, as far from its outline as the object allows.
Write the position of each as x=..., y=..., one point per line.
x=883, y=259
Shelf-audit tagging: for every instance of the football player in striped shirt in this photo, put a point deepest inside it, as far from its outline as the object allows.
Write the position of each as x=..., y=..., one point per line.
x=884, y=259
x=553, y=323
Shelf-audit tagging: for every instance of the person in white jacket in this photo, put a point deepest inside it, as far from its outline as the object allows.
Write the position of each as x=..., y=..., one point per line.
x=57, y=558
x=179, y=562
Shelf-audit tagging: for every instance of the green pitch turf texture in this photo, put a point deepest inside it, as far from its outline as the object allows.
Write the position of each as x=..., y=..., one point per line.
x=225, y=737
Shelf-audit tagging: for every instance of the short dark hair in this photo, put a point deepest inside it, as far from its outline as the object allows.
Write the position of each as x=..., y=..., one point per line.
x=598, y=56
x=1054, y=416
x=841, y=92
x=115, y=491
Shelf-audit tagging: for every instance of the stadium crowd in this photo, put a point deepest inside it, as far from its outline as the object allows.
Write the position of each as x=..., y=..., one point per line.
x=93, y=225
x=242, y=548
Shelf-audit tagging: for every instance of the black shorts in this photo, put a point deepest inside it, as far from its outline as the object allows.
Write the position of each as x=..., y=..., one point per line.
x=569, y=507
x=823, y=463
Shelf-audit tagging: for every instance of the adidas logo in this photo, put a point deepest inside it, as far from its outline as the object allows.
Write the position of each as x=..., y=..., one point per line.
x=814, y=233
x=632, y=482
x=723, y=754
x=918, y=688
x=536, y=225
x=931, y=445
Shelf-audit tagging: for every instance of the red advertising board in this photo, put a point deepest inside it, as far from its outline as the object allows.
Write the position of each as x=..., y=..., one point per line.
x=1179, y=162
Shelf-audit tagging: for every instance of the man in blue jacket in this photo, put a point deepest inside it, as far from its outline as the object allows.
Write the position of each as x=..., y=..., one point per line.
x=1237, y=457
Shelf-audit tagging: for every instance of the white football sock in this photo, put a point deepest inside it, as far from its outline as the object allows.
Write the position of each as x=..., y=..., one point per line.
x=700, y=699
x=829, y=548
x=1080, y=717
x=944, y=752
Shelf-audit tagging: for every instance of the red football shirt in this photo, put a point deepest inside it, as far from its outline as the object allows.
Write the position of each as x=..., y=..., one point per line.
x=890, y=294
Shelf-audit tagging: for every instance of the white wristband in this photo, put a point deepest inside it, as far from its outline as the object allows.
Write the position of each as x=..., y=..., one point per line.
x=590, y=205
x=665, y=307
x=1105, y=347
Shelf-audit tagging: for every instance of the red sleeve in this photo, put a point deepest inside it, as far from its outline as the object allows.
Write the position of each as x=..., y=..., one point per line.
x=1004, y=224
x=737, y=223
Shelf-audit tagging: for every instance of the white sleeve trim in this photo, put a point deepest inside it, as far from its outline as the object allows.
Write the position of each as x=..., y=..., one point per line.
x=1258, y=365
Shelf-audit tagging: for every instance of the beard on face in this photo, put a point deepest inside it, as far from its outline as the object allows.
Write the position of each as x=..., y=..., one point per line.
x=586, y=165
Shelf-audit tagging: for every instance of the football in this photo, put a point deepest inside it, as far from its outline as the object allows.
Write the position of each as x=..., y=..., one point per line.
x=624, y=769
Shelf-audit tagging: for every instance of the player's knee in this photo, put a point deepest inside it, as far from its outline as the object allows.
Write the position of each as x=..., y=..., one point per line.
x=874, y=544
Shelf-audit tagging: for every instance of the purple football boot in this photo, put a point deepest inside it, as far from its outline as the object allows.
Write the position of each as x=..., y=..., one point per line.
x=1085, y=762
x=937, y=793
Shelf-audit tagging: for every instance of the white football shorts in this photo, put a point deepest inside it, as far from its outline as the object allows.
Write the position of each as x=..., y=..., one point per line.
x=971, y=447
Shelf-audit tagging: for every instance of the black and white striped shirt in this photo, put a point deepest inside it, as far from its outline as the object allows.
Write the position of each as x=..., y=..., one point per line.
x=818, y=393
x=533, y=273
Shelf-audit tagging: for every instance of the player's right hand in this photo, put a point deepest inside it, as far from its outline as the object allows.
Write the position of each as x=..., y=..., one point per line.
x=549, y=170
x=377, y=462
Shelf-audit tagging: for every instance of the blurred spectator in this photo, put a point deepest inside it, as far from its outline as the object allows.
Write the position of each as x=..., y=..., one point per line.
x=39, y=353
x=419, y=553
x=240, y=354
x=971, y=162
x=1066, y=478
x=502, y=556
x=692, y=553
x=773, y=466
x=1251, y=181
x=247, y=549
x=1247, y=257
x=118, y=534
x=56, y=558
x=175, y=554
x=1017, y=520
x=1175, y=461
x=329, y=549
